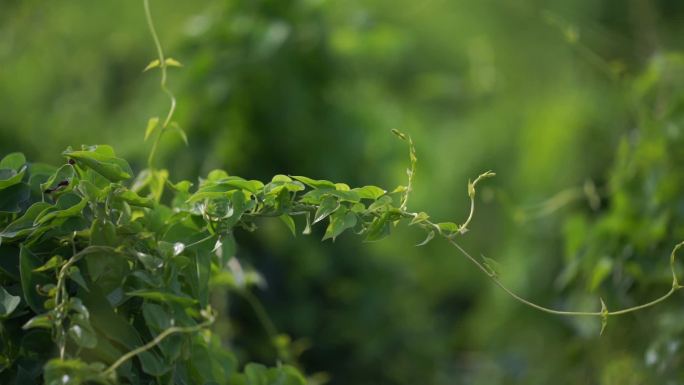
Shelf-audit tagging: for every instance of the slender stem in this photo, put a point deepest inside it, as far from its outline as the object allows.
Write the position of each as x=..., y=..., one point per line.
x=162, y=66
x=471, y=194
x=675, y=287
x=156, y=341
x=208, y=237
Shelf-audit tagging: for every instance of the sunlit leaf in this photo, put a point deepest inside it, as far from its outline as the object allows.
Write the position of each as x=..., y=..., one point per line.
x=153, y=64
x=327, y=207
x=152, y=125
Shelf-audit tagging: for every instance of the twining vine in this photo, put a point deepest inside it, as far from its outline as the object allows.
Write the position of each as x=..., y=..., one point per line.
x=447, y=230
x=137, y=280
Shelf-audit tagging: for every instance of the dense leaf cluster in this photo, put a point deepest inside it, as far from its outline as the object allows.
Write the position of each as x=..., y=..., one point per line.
x=104, y=283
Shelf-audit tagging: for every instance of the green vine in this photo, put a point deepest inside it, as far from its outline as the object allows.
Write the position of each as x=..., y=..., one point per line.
x=132, y=303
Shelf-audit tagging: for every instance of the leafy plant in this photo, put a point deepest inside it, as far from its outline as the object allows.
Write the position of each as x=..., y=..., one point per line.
x=107, y=276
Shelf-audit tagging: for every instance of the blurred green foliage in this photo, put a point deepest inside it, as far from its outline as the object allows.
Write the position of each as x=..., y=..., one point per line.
x=549, y=94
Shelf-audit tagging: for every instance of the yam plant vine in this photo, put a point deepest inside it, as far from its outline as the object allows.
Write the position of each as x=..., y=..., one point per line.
x=106, y=276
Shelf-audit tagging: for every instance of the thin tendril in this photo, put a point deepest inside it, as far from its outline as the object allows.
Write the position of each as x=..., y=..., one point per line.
x=675, y=287
x=162, y=66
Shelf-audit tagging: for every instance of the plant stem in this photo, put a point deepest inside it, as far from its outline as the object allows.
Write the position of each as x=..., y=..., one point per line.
x=162, y=66
x=675, y=287
x=158, y=339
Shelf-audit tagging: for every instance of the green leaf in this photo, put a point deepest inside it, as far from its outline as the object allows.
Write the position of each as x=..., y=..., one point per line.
x=379, y=228
x=24, y=224
x=67, y=205
x=52, y=263
x=604, y=316
x=316, y=184
x=289, y=222
x=216, y=175
x=175, y=127
x=152, y=124
x=307, y=228
x=602, y=269
x=30, y=279
x=349, y=196
x=91, y=192
x=153, y=64
x=153, y=364
x=448, y=227
x=157, y=182
x=13, y=161
x=400, y=134
x=492, y=266
x=102, y=160
x=427, y=240
x=370, y=192
x=156, y=318
x=134, y=199
x=327, y=207
x=40, y=321
x=10, y=177
x=381, y=204
x=75, y=275
x=281, y=178
x=171, y=62
x=82, y=333
x=8, y=302
x=340, y=220
x=61, y=175
x=14, y=198
x=75, y=371
x=218, y=188
x=419, y=218
x=151, y=262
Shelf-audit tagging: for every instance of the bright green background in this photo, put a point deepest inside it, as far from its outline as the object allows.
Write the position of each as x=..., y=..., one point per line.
x=542, y=92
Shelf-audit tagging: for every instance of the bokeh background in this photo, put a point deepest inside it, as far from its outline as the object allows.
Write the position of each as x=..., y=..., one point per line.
x=578, y=106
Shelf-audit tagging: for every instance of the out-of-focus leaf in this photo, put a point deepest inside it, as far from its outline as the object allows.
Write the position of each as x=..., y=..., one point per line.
x=30, y=279
x=10, y=177
x=8, y=302
x=289, y=222
x=14, y=198
x=25, y=224
x=13, y=161
x=171, y=62
x=67, y=205
x=41, y=321
x=152, y=125
x=153, y=64
x=428, y=238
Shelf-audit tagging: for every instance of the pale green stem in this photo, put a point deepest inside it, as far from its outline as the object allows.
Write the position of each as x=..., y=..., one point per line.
x=156, y=341
x=162, y=66
x=492, y=276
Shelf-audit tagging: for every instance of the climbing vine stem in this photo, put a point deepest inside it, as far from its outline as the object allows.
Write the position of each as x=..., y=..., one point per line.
x=210, y=317
x=163, y=63
x=486, y=268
